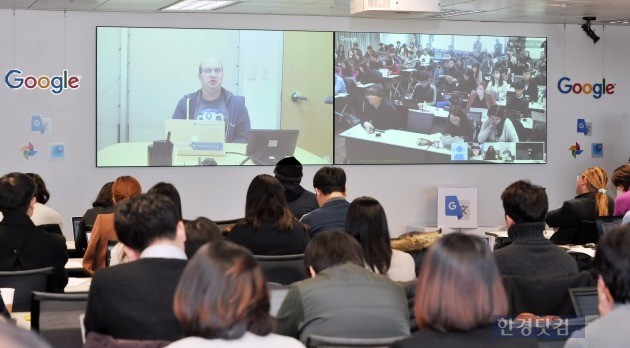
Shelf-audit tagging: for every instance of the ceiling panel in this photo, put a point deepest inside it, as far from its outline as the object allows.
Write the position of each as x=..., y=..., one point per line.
x=16, y=4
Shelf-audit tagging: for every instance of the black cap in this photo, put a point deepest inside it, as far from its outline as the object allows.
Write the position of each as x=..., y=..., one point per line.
x=288, y=169
x=375, y=90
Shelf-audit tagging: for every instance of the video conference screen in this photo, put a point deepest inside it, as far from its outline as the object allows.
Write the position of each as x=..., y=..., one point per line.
x=188, y=97
x=197, y=97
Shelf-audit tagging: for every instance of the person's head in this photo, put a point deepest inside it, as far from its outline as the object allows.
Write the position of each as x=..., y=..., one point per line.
x=288, y=170
x=612, y=263
x=222, y=294
x=594, y=179
x=265, y=201
x=211, y=75
x=125, y=187
x=374, y=56
x=391, y=52
x=496, y=115
x=524, y=202
x=41, y=192
x=332, y=248
x=423, y=78
x=367, y=223
x=389, y=62
x=451, y=62
x=480, y=89
x=356, y=45
x=621, y=178
x=468, y=74
x=410, y=54
x=329, y=180
x=199, y=232
x=456, y=115
x=374, y=95
x=424, y=50
x=17, y=193
x=104, y=197
x=475, y=149
x=170, y=192
x=146, y=219
x=519, y=88
x=497, y=78
x=527, y=74
x=341, y=48
x=459, y=286
x=475, y=67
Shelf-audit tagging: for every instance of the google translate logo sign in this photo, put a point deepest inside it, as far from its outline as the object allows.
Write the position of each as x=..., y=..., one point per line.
x=455, y=207
x=28, y=150
x=38, y=124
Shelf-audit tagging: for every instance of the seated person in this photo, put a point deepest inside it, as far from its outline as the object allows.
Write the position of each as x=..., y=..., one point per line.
x=301, y=201
x=135, y=300
x=410, y=60
x=459, y=125
x=491, y=153
x=479, y=98
x=368, y=75
x=392, y=66
x=43, y=214
x=591, y=201
x=199, y=232
x=474, y=152
x=222, y=301
x=467, y=84
x=497, y=86
x=380, y=113
x=375, y=63
x=519, y=101
x=621, y=180
x=451, y=70
x=612, y=263
x=343, y=298
x=531, y=89
x=459, y=291
x=103, y=204
x=340, y=86
x=497, y=127
x=424, y=92
x=330, y=191
x=268, y=228
x=530, y=253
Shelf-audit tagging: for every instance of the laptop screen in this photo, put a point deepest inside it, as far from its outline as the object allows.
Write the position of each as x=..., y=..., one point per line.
x=607, y=223
x=584, y=301
x=76, y=220
x=267, y=146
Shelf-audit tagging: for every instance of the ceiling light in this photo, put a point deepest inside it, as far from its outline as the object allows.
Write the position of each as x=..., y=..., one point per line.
x=197, y=5
x=587, y=29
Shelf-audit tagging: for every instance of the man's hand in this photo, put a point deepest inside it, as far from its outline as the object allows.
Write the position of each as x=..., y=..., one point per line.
x=368, y=127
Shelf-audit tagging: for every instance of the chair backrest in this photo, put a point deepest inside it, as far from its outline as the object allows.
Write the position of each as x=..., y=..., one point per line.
x=51, y=228
x=224, y=225
x=25, y=282
x=419, y=122
x=282, y=269
x=587, y=232
x=548, y=295
x=57, y=317
x=319, y=341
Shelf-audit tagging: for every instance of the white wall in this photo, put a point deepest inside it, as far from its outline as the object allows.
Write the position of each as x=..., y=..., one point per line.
x=44, y=42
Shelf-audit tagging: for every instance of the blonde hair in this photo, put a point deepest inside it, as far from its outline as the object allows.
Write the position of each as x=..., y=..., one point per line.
x=597, y=180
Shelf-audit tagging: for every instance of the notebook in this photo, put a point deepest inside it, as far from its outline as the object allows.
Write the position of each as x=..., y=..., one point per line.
x=196, y=137
x=268, y=146
x=584, y=301
x=76, y=220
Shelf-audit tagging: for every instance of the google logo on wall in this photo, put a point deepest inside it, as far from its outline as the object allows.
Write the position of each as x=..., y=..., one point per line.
x=57, y=84
x=597, y=89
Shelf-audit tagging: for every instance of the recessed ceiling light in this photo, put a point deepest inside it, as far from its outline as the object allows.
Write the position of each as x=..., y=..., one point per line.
x=620, y=21
x=197, y=5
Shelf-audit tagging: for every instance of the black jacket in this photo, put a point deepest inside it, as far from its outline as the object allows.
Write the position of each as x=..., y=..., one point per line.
x=300, y=200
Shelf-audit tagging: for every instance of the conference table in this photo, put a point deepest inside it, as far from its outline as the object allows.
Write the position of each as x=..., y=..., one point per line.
x=502, y=238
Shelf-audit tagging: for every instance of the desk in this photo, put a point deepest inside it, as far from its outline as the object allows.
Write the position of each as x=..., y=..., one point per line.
x=532, y=105
x=74, y=264
x=70, y=245
x=135, y=155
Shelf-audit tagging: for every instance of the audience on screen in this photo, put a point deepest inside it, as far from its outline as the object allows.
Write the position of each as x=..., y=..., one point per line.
x=366, y=74
x=621, y=180
x=530, y=253
x=380, y=113
x=479, y=98
x=103, y=204
x=574, y=220
x=497, y=86
x=424, y=92
x=289, y=171
x=330, y=190
x=459, y=291
x=468, y=83
x=95, y=256
x=367, y=223
x=518, y=101
x=222, y=300
x=24, y=246
x=459, y=125
x=497, y=127
x=134, y=300
x=343, y=298
x=269, y=227
x=612, y=263
x=199, y=232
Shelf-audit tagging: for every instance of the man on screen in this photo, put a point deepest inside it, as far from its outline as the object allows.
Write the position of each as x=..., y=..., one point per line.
x=213, y=102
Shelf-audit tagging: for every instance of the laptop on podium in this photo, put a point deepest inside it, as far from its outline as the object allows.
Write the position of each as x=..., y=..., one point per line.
x=196, y=137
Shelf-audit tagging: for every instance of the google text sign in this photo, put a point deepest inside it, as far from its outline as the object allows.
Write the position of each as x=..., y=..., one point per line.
x=565, y=86
x=57, y=84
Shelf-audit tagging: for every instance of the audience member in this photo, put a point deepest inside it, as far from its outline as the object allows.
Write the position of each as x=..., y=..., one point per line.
x=530, y=253
x=424, y=92
x=103, y=204
x=289, y=171
x=519, y=101
x=367, y=223
x=367, y=75
x=103, y=231
x=459, y=125
x=43, y=214
x=135, y=300
x=479, y=98
x=591, y=201
x=23, y=246
x=612, y=263
x=222, y=300
x=268, y=228
x=497, y=86
x=531, y=90
x=169, y=190
x=468, y=83
x=380, y=114
x=497, y=127
x=343, y=298
x=621, y=180
x=459, y=290
x=199, y=232
x=330, y=190
x=451, y=70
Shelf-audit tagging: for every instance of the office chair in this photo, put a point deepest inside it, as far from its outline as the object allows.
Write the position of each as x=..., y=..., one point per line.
x=282, y=269
x=56, y=317
x=25, y=282
x=319, y=341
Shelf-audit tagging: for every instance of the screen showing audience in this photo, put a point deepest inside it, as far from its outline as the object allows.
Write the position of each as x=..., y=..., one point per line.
x=193, y=97
x=423, y=98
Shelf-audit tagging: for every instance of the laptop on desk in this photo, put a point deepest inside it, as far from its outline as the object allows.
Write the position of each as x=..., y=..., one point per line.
x=197, y=137
x=76, y=220
x=584, y=301
x=607, y=223
x=268, y=146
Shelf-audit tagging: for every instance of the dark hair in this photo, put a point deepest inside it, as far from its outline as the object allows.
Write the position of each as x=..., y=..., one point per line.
x=518, y=85
x=332, y=248
x=265, y=201
x=199, y=232
x=104, y=197
x=171, y=193
x=621, y=177
x=330, y=179
x=125, y=187
x=375, y=90
x=141, y=220
x=222, y=294
x=524, y=202
x=612, y=262
x=500, y=77
x=496, y=110
x=16, y=192
x=367, y=223
x=41, y=192
x=423, y=75
x=459, y=286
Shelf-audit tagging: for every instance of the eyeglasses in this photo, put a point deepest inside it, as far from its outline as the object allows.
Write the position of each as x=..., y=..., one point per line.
x=212, y=70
